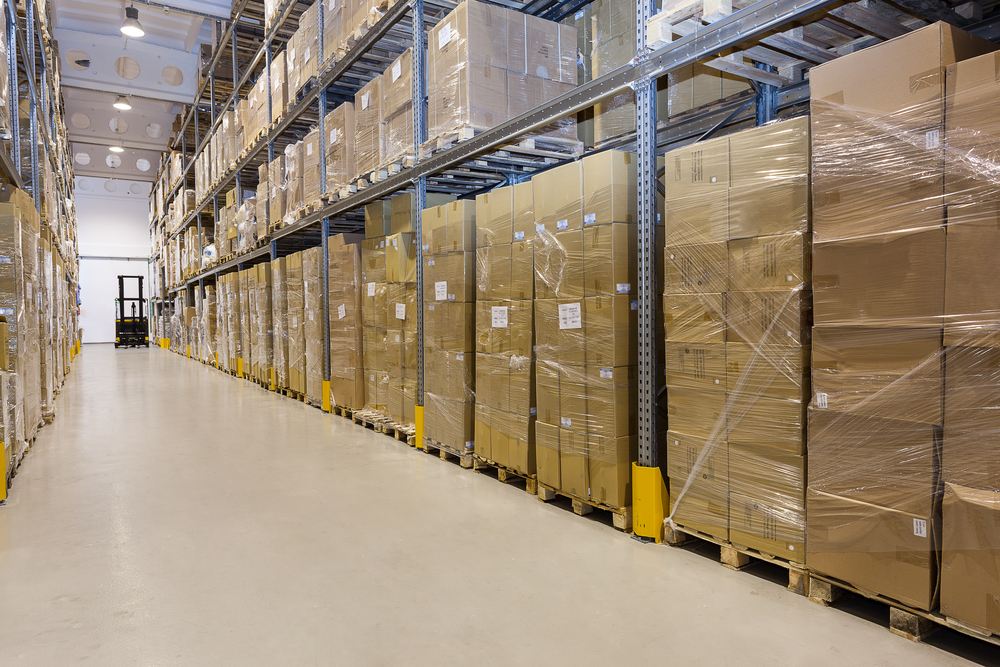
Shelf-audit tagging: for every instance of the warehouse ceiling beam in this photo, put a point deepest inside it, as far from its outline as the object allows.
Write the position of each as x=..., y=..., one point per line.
x=932, y=10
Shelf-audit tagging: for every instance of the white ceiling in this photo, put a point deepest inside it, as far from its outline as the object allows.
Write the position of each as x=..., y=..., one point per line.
x=127, y=163
x=173, y=40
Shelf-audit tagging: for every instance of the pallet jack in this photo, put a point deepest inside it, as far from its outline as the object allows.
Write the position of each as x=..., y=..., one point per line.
x=131, y=330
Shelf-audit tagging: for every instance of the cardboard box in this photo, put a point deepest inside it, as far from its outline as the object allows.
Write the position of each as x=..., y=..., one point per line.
x=972, y=274
x=474, y=33
x=772, y=371
x=769, y=208
x=695, y=318
x=609, y=259
x=573, y=466
x=704, y=505
x=609, y=468
x=612, y=397
x=886, y=280
x=697, y=412
x=558, y=198
x=970, y=583
x=971, y=451
x=397, y=87
x=609, y=186
x=696, y=366
x=400, y=258
x=547, y=453
x=547, y=387
x=701, y=268
x=887, y=462
x=558, y=264
x=776, y=423
x=699, y=169
x=523, y=222
x=482, y=432
x=610, y=324
x=891, y=373
x=494, y=217
x=767, y=509
x=770, y=262
x=340, y=128
x=279, y=85
x=699, y=218
x=769, y=318
x=875, y=548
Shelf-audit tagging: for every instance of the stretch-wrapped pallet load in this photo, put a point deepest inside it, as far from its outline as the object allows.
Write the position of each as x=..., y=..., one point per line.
x=248, y=315
x=586, y=319
x=737, y=316
x=312, y=317
x=449, y=232
x=505, y=360
x=373, y=318
x=294, y=182
x=904, y=223
x=347, y=382
x=279, y=321
x=263, y=356
x=487, y=64
x=295, y=321
x=368, y=128
x=397, y=110
x=303, y=50
x=207, y=325
x=340, y=128
x=400, y=347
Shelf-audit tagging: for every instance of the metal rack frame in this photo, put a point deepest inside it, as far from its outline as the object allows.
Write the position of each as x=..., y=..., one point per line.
x=752, y=25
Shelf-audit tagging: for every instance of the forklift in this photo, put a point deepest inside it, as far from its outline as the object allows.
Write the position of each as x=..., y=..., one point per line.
x=130, y=330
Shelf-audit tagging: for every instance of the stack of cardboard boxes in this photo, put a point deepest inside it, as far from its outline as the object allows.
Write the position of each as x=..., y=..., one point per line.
x=295, y=321
x=312, y=330
x=487, y=64
x=880, y=246
x=970, y=584
x=261, y=322
x=279, y=321
x=505, y=359
x=586, y=318
x=397, y=110
x=340, y=128
x=368, y=127
x=449, y=239
x=737, y=272
x=347, y=385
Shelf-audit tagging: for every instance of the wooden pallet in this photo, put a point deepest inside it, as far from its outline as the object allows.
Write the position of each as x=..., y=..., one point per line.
x=738, y=557
x=553, y=148
x=905, y=621
x=390, y=169
x=447, y=453
x=298, y=96
x=621, y=517
x=507, y=475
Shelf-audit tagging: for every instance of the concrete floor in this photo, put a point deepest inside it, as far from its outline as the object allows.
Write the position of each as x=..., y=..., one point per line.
x=173, y=515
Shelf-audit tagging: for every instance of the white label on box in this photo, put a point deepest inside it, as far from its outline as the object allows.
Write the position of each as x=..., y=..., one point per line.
x=606, y=373
x=532, y=411
x=395, y=243
x=499, y=317
x=539, y=228
x=518, y=236
x=562, y=224
x=430, y=306
x=821, y=401
x=451, y=297
x=590, y=218
x=309, y=149
x=430, y=262
x=920, y=527
x=933, y=139
x=6, y=311
x=427, y=248
x=470, y=445
x=307, y=55
x=566, y=422
x=365, y=100
x=460, y=356
x=578, y=15
x=441, y=290
x=295, y=322
x=333, y=136
x=371, y=377
x=569, y=316
x=400, y=311
x=444, y=35
x=371, y=289
x=635, y=305
x=397, y=71
x=6, y=260
x=623, y=288
x=341, y=311
x=397, y=338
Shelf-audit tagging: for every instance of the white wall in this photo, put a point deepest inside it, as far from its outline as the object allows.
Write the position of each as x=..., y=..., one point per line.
x=113, y=220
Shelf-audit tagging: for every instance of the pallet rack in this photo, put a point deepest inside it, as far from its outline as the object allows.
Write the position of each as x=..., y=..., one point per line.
x=479, y=163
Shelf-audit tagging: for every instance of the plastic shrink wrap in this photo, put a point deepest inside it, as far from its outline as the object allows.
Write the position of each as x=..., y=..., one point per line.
x=340, y=129
x=347, y=383
x=585, y=321
x=449, y=234
x=279, y=321
x=737, y=316
x=904, y=366
x=294, y=321
x=312, y=330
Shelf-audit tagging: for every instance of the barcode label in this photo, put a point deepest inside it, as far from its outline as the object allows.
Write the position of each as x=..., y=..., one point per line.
x=518, y=236
x=920, y=527
x=397, y=71
x=569, y=316
x=623, y=288
x=371, y=289
x=821, y=401
x=499, y=317
x=566, y=422
x=400, y=311
x=441, y=290
x=590, y=218
x=606, y=373
x=933, y=138
x=341, y=311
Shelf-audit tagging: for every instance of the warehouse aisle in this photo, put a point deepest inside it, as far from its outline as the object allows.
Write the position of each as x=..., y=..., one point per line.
x=150, y=526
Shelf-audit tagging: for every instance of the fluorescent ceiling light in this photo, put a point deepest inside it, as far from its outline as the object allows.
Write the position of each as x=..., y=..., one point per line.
x=121, y=102
x=116, y=149
x=131, y=26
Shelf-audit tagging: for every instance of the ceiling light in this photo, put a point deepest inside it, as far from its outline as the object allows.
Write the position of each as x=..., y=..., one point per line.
x=116, y=149
x=121, y=102
x=131, y=26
